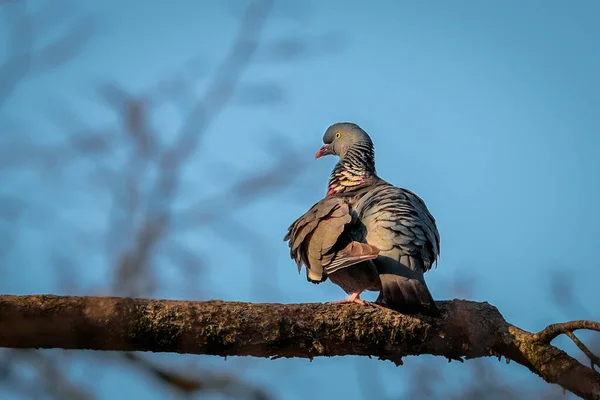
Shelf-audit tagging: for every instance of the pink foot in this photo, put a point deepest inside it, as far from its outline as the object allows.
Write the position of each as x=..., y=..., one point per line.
x=353, y=298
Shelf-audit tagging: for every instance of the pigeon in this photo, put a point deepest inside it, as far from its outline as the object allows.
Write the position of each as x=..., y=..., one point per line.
x=366, y=234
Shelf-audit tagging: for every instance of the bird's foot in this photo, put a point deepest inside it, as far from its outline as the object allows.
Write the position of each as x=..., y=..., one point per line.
x=353, y=298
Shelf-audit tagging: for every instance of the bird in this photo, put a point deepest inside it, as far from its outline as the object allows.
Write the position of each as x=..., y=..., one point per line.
x=366, y=234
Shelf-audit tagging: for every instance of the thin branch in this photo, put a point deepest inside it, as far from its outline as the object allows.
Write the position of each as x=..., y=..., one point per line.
x=465, y=330
x=548, y=334
x=594, y=360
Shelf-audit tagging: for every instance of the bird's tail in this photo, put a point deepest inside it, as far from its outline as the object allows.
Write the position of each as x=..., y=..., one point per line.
x=406, y=295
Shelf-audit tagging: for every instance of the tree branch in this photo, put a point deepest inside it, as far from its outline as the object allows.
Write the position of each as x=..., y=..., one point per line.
x=549, y=333
x=594, y=360
x=466, y=329
x=552, y=331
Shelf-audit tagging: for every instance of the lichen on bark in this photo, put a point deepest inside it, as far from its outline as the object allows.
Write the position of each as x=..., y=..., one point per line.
x=465, y=330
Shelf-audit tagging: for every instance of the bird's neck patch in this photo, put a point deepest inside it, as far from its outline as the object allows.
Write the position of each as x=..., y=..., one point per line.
x=344, y=180
x=355, y=169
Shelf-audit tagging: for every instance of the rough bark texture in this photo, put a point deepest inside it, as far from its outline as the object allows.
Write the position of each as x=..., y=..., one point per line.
x=466, y=329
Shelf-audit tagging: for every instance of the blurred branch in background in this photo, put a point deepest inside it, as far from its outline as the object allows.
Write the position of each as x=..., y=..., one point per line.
x=206, y=381
x=28, y=49
x=34, y=374
x=137, y=167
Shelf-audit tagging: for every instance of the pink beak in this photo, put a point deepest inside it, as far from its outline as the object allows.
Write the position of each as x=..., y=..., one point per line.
x=323, y=151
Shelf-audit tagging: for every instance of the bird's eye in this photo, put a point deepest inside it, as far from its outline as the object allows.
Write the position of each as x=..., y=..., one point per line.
x=337, y=134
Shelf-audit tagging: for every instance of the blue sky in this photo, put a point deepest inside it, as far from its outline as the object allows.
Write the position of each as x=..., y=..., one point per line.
x=488, y=110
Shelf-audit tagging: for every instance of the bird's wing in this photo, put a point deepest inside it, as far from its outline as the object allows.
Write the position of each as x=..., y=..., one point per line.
x=321, y=240
x=398, y=222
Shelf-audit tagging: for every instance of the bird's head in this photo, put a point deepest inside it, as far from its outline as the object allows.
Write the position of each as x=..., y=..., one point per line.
x=342, y=136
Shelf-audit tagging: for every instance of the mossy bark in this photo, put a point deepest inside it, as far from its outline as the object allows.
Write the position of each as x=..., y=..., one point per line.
x=465, y=330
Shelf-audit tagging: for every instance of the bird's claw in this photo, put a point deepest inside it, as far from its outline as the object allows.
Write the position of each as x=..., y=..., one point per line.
x=344, y=301
x=353, y=298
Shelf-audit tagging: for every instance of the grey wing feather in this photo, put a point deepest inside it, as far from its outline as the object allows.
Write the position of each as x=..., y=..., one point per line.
x=397, y=218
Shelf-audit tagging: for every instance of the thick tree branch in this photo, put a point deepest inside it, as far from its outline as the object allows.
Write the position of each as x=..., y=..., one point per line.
x=466, y=329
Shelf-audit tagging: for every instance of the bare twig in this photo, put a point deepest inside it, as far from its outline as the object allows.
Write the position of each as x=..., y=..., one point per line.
x=594, y=360
x=552, y=331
